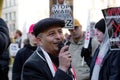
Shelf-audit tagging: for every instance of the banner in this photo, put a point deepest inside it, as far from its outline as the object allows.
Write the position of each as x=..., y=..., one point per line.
x=112, y=18
x=87, y=33
x=90, y=32
x=62, y=9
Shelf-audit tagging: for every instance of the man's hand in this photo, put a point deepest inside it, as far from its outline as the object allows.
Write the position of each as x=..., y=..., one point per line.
x=64, y=59
x=86, y=52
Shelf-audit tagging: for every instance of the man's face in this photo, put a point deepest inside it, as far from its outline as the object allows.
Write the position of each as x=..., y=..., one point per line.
x=76, y=32
x=60, y=1
x=99, y=35
x=50, y=38
x=15, y=36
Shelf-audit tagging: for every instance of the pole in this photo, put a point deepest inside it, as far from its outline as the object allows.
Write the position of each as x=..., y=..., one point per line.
x=1, y=5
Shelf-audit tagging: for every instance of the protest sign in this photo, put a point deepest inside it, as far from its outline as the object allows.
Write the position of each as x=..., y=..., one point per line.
x=112, y=18
x=13, y=49
x=62, y=9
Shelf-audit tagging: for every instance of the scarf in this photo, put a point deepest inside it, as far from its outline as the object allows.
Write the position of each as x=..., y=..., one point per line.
x=104, y=47
x=51, y=64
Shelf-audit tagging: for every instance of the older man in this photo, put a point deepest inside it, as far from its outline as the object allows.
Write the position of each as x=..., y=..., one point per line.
x=47, y=62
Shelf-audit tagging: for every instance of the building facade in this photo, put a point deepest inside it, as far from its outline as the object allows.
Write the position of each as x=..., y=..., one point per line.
x=9, y=14
x=16, y=18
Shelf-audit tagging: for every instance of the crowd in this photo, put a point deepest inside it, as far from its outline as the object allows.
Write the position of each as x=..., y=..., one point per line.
x=48, y=55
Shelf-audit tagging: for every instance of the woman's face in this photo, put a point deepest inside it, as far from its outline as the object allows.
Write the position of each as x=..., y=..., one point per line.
x=99, y=35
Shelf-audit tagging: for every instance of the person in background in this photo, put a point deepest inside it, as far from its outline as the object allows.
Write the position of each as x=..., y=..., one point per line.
x=104, y=65
x=17, y=37
x=67, y=39
x=49, y=62
x=23, y=54
x=4, y=54
x=77, y=42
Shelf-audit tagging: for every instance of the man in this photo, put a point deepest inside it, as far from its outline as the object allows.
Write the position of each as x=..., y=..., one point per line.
x=23, y=54
x=4, y=55
x=17, y=37
x=47, y=62
x=104, y=65
x=77, y=42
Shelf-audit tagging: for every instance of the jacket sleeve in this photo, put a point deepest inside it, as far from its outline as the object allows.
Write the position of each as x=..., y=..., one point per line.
x=4, y=36
x=115, y=65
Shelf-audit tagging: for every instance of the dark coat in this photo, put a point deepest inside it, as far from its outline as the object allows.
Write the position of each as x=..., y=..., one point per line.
x=4, y=55
x=4, y=36
x=22, y=55
x=4, y=65
x=110, y=68
x=35, y=68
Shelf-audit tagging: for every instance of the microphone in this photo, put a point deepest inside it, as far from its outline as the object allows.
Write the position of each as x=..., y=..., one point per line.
x=60, y=45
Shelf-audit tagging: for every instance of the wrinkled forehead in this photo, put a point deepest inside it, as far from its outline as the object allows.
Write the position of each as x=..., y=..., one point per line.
x=53, y=29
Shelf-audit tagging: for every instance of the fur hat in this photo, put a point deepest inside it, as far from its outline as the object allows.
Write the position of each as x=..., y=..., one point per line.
x=100, y=25
x=47, y=23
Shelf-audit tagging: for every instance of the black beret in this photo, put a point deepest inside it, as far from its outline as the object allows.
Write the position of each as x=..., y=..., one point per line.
x=100, y=25
x=47, y=23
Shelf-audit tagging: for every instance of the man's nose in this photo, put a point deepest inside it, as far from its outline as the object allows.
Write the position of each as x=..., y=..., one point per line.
x=58, y=36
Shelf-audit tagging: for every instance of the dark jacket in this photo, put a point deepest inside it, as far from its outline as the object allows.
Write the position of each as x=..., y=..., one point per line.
x=4, y=59
x=22, y=55
x=4, y=55
x=4, y=65
x=4, y=36
x=35, y=68
x=110, y=68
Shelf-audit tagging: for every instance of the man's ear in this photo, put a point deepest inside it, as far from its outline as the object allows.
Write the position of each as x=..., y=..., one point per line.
x=39, y=41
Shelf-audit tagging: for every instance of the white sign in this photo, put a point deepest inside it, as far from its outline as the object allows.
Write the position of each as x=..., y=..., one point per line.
x=13, y=49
